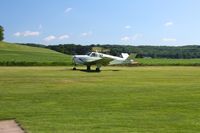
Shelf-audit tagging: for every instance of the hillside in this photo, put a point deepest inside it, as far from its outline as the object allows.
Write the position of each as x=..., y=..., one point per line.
x=14, y=54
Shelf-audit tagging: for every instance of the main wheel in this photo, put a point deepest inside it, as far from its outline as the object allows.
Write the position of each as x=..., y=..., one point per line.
x=98, y=69
x=88, y=68
x=74, y=68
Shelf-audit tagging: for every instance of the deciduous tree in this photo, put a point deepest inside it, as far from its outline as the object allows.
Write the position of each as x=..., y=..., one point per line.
x=1, y=33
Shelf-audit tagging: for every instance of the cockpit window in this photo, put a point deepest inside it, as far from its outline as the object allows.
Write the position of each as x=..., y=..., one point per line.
x=93, y=55
x=89, y=53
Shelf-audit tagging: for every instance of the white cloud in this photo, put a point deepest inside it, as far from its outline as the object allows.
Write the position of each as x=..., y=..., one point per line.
x=168, y=24
x=169, y=39
x=31, y=33
x=63, y=37
x=68, y=9
x=49, y=38
x=125, y=38
x=52, y=37
x=17, y=34
x=127, y=27
x=27, y=33
x=86, y=34
x=131, y=38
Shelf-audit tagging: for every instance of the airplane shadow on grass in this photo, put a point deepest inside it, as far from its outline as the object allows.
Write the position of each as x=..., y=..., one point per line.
x=92, y=71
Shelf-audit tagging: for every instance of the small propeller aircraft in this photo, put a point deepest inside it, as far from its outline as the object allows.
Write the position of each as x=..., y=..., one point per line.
x=100, y=59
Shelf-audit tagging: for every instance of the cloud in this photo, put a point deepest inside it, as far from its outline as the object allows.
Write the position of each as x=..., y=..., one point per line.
x=127, y=27
x=49, y=38
x=52, y=37
x=17, y=34
x=86, y=34
x=131, y=38
x=68, y=9
x=31, y=33
x=168, y=24
x=169, y=39
x=63, y=37
x=27, y=33
x=126, y=38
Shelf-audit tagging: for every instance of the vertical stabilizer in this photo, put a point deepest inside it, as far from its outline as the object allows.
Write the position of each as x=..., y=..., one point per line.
x=125, y=55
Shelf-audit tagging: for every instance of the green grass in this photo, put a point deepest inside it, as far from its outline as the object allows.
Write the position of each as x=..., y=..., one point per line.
x=13, y=54
x=169, y=62
x=116, y=100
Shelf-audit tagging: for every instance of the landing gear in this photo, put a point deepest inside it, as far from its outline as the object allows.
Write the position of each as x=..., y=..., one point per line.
x=98, y=69
x=88, y=68
x=74, y=68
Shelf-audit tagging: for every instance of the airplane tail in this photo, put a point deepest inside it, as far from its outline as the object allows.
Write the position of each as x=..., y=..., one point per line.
x=125, y=55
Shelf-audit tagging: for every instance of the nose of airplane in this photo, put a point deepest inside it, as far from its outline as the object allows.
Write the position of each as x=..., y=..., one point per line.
x=73, y=58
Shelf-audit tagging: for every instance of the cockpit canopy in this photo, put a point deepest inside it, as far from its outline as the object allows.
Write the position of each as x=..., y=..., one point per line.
x=94, y=54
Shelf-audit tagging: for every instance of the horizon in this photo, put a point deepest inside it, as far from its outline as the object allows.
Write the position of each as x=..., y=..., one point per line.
x=123, y=22
x=106, y=44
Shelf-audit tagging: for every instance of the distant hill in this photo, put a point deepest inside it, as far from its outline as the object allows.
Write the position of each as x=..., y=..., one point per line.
x=15, y=54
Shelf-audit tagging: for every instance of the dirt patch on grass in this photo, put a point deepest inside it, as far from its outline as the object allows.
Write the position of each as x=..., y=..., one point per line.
x=10, y=126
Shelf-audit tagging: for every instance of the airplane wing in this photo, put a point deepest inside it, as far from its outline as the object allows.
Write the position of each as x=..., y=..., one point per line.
x=101, y=61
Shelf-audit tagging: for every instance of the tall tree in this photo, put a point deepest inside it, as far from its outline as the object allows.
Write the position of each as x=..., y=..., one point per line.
x=1, y=33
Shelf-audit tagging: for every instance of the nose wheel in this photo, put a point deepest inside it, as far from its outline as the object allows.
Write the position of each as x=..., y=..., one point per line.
x=73, y=60
x=74, y=68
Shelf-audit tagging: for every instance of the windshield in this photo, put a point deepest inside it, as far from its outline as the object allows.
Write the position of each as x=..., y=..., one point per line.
x=89, y=53
x=93, y=54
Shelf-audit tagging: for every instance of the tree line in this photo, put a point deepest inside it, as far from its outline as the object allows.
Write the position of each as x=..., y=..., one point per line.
x=173, y=52
x=178, y=52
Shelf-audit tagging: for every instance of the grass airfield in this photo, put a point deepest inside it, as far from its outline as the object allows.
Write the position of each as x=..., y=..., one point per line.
x=118, y=99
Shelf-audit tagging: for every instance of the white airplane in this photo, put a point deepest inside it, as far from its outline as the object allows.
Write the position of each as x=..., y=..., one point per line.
x=100, y=59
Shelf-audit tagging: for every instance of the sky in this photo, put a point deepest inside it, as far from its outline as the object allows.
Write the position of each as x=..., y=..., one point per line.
x=124, y=22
